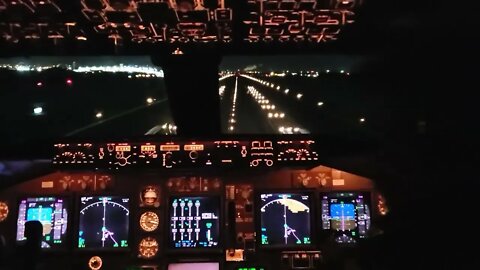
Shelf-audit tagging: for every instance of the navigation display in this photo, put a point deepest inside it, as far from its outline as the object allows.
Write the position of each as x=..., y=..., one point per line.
x=194, y=222
x=347, y=215
x=52, y=212
x=285, y=219
x=103, y=222
x=194, y=266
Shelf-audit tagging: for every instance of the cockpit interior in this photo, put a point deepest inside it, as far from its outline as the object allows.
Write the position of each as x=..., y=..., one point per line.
x=262, y=135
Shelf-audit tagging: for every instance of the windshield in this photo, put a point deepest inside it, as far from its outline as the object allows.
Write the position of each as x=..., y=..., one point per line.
x=46, y=98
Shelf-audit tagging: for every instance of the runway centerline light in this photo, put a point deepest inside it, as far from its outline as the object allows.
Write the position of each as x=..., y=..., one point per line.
x=38, y=110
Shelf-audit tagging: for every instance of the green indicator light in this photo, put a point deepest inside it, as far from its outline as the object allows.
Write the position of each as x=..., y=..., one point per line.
x=209, y=225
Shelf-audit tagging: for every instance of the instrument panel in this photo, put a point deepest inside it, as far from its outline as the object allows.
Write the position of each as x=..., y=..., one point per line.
x=277, y=217
x=177, y=154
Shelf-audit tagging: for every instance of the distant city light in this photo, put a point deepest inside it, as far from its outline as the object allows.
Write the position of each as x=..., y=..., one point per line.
x=38, y=110
x=328, y=70
x=342, y=71
x=299, y=96
x=286, y=91
x=270, y=115
x=282, y=115
x=296, y=129
x=39, y=84
x=129, y=76
x=150, y=100
x=320, y=103
x=231, y=127
x=362, y=120
x=69, y=82
x=281, y=129
x=99, y=115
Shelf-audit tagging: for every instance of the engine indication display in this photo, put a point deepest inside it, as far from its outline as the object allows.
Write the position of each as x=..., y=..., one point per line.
x=285, y=219
x=149, y=221
x=103, y=222
x=51, y=212
x=347, y=215
x=194, y=222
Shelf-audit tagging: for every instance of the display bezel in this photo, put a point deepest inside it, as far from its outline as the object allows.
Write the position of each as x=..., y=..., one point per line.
x=131, y=221
x=326, y=233
x=167, y=238
x=313, y=214
x=70, y=221
x=192, y=261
